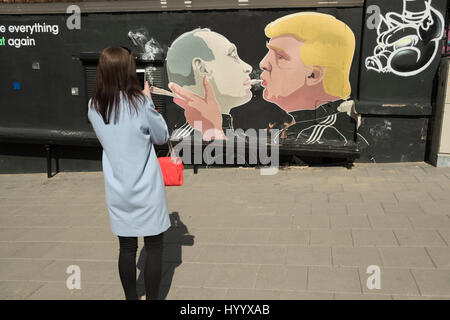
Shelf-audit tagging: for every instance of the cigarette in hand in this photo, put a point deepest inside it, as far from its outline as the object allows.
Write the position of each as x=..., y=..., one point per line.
x=162, y=92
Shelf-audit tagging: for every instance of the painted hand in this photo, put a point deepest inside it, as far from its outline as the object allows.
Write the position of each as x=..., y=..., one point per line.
x=196, y=108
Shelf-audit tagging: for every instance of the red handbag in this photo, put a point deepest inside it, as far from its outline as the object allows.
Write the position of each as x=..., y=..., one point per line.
x=171, y=168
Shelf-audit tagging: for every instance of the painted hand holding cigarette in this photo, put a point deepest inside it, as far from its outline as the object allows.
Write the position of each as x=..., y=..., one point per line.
x=196, y=108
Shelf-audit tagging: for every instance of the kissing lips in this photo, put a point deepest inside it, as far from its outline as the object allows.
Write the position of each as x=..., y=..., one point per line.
x=264, y=81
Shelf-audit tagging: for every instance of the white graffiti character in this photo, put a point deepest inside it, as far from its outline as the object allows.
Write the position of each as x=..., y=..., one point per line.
x=407, y=43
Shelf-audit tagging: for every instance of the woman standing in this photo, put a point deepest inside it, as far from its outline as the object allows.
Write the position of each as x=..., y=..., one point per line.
x=127, y=125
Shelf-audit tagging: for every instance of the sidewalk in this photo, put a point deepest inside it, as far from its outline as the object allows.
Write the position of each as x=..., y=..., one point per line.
x=301, y=234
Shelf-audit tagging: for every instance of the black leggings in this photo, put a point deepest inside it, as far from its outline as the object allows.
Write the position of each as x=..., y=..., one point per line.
x=152, y=268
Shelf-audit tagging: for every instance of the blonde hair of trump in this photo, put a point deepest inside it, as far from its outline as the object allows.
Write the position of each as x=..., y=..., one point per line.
x=328, y=42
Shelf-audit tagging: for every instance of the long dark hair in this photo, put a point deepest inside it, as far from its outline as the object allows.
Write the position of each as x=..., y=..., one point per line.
x=116, y=72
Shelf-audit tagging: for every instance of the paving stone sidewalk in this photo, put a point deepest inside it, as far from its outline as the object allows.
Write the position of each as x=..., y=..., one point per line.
x=304, y=233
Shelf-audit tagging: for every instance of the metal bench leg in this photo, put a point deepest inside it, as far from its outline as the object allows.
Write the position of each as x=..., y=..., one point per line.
x=195, y=168
x=57, y=165
x=49, y=160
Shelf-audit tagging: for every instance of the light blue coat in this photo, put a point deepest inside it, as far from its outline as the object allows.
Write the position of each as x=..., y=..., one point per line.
x=134, y=185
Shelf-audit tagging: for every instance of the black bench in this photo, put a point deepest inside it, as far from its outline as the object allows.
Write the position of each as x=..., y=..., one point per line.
x=348, y=153
x=53, y=138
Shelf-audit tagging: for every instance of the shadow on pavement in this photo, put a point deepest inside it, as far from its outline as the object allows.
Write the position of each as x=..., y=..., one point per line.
x=174, y=238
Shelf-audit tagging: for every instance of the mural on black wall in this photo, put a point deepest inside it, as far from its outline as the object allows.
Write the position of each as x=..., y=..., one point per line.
x=305, y=73
x=403, y=101
x=407, y=42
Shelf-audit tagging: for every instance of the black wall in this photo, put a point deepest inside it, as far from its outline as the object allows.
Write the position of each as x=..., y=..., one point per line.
x=396, y=109
x=45, y=100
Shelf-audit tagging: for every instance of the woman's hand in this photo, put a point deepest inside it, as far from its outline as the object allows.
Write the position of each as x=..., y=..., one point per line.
x=147, y=90
x=196, y=108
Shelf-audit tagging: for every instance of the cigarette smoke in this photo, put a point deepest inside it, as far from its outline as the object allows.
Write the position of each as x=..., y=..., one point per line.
x=151, y=49
x=256, y=75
